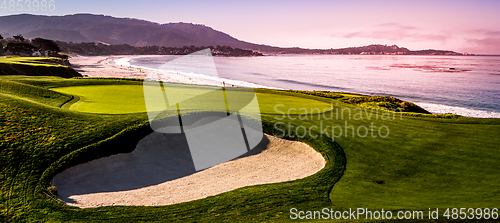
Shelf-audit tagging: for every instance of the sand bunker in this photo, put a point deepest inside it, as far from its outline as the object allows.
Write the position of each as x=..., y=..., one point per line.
x=160, y=171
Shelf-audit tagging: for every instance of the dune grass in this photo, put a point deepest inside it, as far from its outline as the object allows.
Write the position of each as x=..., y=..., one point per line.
x=424, y=162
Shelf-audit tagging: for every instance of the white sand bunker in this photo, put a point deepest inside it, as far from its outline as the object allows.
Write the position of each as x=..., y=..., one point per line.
x=160, y=171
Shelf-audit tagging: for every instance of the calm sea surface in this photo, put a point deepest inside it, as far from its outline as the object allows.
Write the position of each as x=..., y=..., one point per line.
x=466, y=85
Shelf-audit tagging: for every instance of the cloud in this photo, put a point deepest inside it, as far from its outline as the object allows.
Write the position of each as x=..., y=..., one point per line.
x=488, y=42
x=477, y=41
x=489, y=45
x=493, y=33
x=483, y=41
x=485, y=32
x=397, y=25
x=397, y=32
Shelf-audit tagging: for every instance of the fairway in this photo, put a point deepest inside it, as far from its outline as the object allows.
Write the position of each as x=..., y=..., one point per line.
x=425, y=161
x=122, y=99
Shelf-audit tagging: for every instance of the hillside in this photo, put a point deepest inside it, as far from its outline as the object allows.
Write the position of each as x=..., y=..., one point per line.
x=116, y=31
x=107, y=29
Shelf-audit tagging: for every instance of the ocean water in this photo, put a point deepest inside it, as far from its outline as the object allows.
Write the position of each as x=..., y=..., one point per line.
x=464, y=85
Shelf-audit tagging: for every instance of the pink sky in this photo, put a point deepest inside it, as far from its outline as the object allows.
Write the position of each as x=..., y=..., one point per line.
x=463, y=26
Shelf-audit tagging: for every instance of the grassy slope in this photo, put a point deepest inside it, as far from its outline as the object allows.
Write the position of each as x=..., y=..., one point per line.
x=425, y=162
x=36, y=66
x=34, y=93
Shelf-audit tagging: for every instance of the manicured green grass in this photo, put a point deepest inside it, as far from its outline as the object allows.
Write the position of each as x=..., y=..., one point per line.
x=107, y=99
x=120, y=99
x=424, y=162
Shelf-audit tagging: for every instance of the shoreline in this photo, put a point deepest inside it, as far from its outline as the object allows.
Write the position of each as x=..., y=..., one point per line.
x=119, y=67
x=181, y=77
x=466, y=112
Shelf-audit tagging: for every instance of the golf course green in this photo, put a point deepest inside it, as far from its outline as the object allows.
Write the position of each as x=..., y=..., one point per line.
x=121, y=99
x=403, y=162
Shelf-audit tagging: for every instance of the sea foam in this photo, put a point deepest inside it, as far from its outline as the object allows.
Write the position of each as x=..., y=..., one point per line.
x=467, y=112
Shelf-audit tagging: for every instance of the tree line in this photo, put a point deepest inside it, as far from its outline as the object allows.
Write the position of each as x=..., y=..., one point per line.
x=96, y=49
x=18, y=45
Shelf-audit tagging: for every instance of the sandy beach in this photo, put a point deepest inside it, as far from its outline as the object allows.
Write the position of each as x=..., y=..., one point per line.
x=103, y=66
x=119, y=67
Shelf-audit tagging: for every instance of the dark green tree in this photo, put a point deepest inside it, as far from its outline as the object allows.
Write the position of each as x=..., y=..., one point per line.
x=46, y=45
x=20, y=48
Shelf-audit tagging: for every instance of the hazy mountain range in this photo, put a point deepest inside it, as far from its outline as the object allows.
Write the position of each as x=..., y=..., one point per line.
x=110, y=30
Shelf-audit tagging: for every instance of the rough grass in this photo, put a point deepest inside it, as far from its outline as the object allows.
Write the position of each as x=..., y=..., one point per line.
x=425, y=162
x=385, y=102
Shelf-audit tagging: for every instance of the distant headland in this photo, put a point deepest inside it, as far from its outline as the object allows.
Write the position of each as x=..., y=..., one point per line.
x=374, y=49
